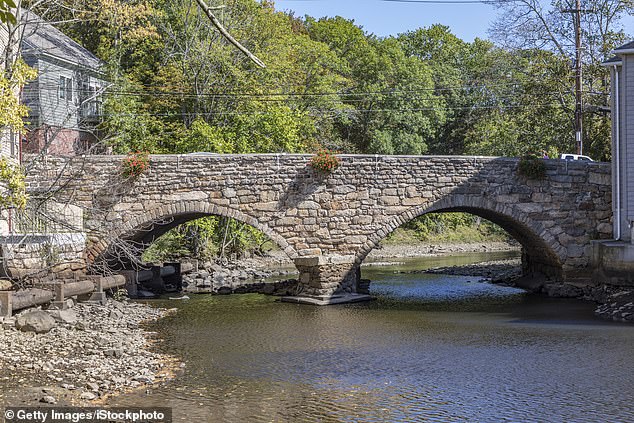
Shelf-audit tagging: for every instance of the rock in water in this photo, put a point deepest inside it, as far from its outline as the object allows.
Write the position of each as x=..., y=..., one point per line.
x=37, y=321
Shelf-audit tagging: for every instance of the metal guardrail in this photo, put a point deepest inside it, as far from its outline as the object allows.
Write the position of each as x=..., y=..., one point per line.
x=31, y=220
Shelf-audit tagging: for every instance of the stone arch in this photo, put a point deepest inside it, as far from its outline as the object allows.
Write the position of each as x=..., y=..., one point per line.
x=543, y=253
x=142, y=226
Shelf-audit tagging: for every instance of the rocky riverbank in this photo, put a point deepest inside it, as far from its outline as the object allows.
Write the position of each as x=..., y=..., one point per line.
x=425, y=249
x=500, y=271
x=83, y=355
x=240, y=277
x=615, y=303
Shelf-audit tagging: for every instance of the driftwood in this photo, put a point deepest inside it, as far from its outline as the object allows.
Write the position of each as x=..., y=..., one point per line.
x=11, y=301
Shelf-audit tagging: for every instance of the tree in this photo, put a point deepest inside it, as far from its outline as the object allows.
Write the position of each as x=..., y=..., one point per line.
x=392, y=108
x=530, y=25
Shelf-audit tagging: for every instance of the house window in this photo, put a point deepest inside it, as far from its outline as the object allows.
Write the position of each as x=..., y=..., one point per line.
x=90, y=101
x=65, y=88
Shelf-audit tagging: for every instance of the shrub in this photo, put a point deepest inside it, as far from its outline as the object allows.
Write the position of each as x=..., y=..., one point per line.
x=324, y=161
x=135, y=164
x=12, y=185
x=532, y=166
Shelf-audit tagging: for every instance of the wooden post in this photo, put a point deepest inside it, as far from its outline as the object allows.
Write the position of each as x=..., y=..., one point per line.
x=59, y=302
x=98, y=296
x=6, y=303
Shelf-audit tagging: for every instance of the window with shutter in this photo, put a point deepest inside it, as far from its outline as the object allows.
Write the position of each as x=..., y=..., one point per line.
x=62, y=87
x=69, y=89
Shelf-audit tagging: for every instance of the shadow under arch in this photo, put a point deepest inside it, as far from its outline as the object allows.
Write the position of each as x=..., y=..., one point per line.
x=147, y=226
x=541, y=252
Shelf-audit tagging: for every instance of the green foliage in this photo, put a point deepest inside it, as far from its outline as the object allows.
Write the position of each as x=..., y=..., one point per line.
x=531, y=166
x=6, y=11
x=207, y=238
x=390, y=98
x=12, y=111
x=448, y=227
x=12, y=185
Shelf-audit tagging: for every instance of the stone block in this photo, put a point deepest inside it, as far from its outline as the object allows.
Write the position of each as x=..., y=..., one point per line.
x=389, y=200
x=356, y=239
x=308, y=205
x=341, y=259
x=600, y=179
x=414, y=201
x=229, y=193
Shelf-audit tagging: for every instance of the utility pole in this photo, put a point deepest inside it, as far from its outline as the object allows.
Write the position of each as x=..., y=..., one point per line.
x=578, y=76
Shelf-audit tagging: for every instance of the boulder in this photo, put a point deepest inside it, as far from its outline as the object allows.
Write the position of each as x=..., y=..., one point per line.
x=87, y=396
x=116, y=315
x=64, y=316
x=224, y=290
x=37, y=321
x=48, y=399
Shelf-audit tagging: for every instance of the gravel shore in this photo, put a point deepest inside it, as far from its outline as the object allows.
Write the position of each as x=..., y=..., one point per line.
x=280, y=259
x=422, y=249
x=92, y=352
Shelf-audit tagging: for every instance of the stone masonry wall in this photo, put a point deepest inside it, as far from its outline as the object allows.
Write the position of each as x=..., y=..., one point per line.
x=338, y=218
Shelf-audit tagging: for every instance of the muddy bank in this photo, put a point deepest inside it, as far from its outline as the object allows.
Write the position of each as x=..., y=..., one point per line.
x=89, y=353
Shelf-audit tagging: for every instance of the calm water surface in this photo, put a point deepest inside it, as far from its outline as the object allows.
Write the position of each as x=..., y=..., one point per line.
x=431, y=348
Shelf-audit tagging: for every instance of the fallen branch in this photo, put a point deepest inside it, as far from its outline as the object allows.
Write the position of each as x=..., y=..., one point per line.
x=226, y=34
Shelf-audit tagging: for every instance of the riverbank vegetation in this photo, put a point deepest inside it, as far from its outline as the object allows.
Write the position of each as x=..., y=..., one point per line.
x=224, y=238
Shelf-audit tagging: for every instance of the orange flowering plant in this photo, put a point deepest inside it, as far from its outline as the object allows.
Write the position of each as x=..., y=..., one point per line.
x=135, y=164
x=324, y=161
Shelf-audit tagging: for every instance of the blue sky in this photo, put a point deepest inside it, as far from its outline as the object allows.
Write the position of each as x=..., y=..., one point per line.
x=388, y=18
x=467, y=21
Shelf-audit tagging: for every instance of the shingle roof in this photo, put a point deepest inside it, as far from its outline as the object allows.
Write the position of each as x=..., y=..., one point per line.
x=612, y=60
x=628, y=46
x=41, y=37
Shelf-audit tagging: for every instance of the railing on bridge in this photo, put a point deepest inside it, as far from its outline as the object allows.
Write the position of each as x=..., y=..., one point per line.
x=46, y=217
x=30, y=220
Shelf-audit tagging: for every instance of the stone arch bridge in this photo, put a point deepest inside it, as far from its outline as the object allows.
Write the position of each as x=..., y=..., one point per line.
x=329, y=223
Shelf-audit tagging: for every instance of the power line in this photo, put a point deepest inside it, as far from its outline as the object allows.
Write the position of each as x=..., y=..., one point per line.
x=346, y=111
x=54, y=86
x=336, y=96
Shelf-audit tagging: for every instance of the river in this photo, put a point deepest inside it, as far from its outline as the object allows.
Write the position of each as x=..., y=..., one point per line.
x=431, y=348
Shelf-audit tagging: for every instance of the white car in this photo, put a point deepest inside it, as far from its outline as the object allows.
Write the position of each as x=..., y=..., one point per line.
x=576, y=157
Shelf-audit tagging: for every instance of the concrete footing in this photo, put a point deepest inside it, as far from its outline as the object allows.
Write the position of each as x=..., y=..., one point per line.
x=613, y=263
x=328, y=300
